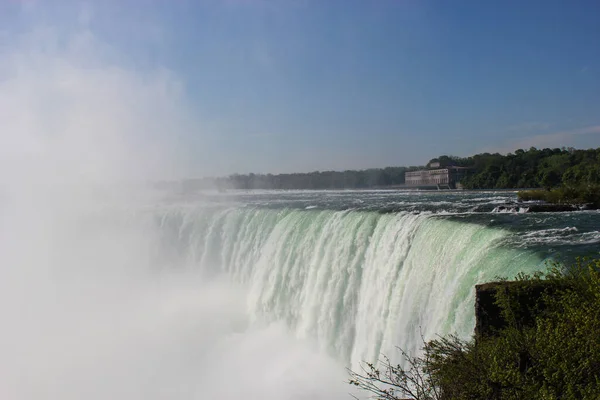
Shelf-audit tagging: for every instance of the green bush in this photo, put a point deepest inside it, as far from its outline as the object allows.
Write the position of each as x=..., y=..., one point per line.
x=586, y=194
x=557, y=356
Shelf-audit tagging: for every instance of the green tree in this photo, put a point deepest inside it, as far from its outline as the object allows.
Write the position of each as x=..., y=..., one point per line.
x=548, y=348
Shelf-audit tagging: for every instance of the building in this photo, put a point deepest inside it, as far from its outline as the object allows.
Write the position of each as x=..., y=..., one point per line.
x=449, y=176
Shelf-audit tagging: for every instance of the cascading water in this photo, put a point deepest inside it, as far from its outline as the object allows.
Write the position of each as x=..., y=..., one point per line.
x=357, y=283
x=225, y=298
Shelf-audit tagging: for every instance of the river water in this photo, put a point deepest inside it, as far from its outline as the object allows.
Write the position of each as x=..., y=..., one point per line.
x=260, y=295
x=360, y=272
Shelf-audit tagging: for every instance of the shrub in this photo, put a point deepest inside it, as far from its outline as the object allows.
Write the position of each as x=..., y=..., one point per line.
x=555, y=357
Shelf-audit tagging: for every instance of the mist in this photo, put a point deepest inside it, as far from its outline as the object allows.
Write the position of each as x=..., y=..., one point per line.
x=91, y=310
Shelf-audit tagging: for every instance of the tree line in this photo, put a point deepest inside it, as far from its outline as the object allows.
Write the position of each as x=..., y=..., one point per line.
x=373, y=178
x=349, y=179
x=532, y=168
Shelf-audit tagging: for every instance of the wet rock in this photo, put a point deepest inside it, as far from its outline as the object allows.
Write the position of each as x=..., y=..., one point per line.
x=552, y=207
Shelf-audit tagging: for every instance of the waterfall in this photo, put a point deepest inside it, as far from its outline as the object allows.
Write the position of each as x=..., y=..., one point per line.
x=357, y=283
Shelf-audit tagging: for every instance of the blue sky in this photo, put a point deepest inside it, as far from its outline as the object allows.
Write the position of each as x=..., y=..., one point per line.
x=282, y=86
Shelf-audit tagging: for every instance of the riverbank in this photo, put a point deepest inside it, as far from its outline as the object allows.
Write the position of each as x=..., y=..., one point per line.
x=564, y=198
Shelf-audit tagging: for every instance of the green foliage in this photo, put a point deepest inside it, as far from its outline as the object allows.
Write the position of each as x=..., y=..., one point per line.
x=394, y=381
x=548, y=350
x=582, y=194
x=370, y=178
x=533, y=168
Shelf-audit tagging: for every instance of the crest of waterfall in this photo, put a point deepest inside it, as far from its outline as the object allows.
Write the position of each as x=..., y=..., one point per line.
x=357, y=283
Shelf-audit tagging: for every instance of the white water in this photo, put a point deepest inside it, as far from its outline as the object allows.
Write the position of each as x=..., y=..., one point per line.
x=90, y=309
x=87, y=315
x=356, y=283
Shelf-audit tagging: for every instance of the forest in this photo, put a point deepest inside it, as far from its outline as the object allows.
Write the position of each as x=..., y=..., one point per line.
x=533, y=168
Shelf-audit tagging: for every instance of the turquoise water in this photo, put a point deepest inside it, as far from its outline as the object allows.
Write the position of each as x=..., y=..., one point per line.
x=361, y=272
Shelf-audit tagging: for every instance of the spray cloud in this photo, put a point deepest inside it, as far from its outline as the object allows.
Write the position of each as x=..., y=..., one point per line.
x=86, y=315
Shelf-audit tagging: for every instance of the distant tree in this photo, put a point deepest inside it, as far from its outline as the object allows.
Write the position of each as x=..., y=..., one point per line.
x=532, y=168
